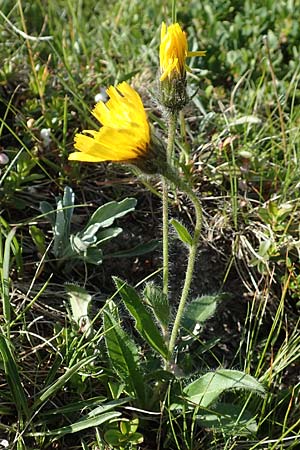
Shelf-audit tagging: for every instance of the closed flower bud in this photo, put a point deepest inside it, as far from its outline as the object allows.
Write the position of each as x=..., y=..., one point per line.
x=173, y=52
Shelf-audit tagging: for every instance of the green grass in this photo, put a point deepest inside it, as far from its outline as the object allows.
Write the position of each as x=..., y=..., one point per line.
x=241, y=132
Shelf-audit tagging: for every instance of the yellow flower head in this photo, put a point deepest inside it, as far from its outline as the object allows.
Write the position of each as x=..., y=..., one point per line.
x=173, y=52
x=125, y=134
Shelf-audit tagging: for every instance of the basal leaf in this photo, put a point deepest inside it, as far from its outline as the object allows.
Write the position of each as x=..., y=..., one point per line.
x=144, y=321
x=159, y=303
x=123, y=355
x=106, y=214
x=80, y=300
x=229, y=419
x=206, y=389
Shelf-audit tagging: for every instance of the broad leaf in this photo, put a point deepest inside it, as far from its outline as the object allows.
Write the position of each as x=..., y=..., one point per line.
x=48, y=211
x=159, y=303
x=198, y=311
x=210, y=386
x=93, y=255
x=182, y=232
x=229, y=419
x=144, y=321
x=124, y=357
x=106, y=214
x=80, y=300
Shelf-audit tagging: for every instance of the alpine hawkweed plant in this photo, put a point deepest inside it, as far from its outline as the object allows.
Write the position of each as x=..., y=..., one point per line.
x=126, y=137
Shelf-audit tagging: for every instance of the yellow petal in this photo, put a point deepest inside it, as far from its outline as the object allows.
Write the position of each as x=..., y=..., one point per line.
x=84, y=157
x=125, y=134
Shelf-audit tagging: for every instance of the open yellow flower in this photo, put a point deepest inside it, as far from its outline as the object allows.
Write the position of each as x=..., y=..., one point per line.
x=125, y=134
x=173, y=52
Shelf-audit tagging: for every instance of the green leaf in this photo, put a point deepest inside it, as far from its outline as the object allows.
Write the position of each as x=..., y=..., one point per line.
x=46, y=393
x=159, y=302
x=73, y=407
x=59, y=230
x=68, y=205
x=48, y=211
x=106, y=214
x=182, y=232
x=124, y=357
x=245, y=120
x=82, y=424
x=229, y=419
x=144, y=321
x=210, y=386
x=38, y=238
x=115, y=438
x=93, y=255
x=138, y=250
x=80, y=300
x=12, y=376
x=108, y=234
x=198, y=311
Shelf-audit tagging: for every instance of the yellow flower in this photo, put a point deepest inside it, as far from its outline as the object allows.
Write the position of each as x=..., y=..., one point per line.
x=125, y=134
x=173, y=52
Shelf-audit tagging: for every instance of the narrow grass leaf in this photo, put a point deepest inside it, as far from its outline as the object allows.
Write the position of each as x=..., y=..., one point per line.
x=144, y=321
x=12, y=375
x=81, y=425
x=5, y=280
x=68, y=204
x=60, y=383
x=206, y=389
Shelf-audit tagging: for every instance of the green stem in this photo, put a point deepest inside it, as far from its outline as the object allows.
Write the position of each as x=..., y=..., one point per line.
x=170, y=150
x=173, y=11
x=165, y=220
x=190, y=267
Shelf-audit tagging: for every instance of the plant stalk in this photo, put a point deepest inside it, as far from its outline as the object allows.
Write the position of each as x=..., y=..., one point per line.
x=189, y=270
x=170, y=150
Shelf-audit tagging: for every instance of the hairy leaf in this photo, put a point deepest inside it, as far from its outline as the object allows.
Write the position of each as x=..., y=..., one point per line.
x=206, y=389
x=198, y=311
x=182, y=232
x=230, y=419
x=159, y=302
x=123, y=355
x=144, y=321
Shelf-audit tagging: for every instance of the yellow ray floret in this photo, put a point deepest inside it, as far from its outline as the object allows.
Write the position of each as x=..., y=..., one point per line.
x=125, y=131
x=173, y=51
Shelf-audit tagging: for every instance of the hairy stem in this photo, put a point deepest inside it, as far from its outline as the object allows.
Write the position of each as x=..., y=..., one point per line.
x=189, y=269
x=170, y=150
